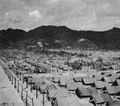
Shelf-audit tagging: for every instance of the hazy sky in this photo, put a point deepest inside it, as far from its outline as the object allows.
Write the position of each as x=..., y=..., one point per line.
x=75, y=14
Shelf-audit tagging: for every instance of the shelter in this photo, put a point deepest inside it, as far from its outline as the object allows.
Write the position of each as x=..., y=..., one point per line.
x=113, y=90
x=109, y=79
x=63, y=82
x=85, y=92
x=69, y=101
x=97, y=99
x=98, y=77
x=77, y=79
x=71, y=86
x=113, y=103
x=56, y=79
x=100, y=84
x=88, y=81
x=57, y=93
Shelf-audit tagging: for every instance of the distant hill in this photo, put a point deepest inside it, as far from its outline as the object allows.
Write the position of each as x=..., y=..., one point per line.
x=61, y=36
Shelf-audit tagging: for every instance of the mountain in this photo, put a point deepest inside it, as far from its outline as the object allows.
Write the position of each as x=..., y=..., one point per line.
x=61, y=36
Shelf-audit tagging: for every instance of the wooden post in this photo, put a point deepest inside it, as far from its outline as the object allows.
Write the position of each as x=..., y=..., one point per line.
x=36, y=93
x=20, y=76
x=18, y=86
x=26, y=98
x=15, y=82
x=22, y=92
x=32, y=102
x=26, y=85
x=31, y=88
x=23, y=78
x=12, y=79
x=43, y=99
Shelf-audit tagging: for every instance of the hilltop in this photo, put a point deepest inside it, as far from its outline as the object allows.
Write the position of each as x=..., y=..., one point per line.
x=61, y=36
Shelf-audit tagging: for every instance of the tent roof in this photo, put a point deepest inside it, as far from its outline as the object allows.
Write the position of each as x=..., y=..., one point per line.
x=106, y=97
x=100, y=84
x=86, y=91
x=88, y=80
x=97, y=98
x=114, y=103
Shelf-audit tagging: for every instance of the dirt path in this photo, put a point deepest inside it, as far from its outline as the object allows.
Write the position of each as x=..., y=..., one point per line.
x=8, y=95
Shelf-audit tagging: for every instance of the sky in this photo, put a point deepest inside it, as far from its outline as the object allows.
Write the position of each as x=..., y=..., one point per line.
x=75, y=14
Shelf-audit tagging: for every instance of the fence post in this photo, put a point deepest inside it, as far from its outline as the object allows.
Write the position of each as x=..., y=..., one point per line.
x=15, y=82
x=20, y=76
x=36, y=93
x=26, y=85
x=22, y=92
x=23, y=78
x=32, y=102
x=26, y=98
x=12, y=79
x=43, y=99
x=18, y=86
x=31, y=88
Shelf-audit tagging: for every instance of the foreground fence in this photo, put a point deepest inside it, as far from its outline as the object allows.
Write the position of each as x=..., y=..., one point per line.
x=18, y=85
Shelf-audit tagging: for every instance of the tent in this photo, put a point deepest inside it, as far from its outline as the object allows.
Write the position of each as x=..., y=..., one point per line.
x=85, y=92
x=63, y=82
x=113, y=90
x=106, y=97
x=57, y=93
x=77, y=79
x=71, y=86
x=69, y=101
x=100, y=84
x=98, y=77
x=109, y=79
x=113, y=103
x=88, y=81
x=97, y=99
